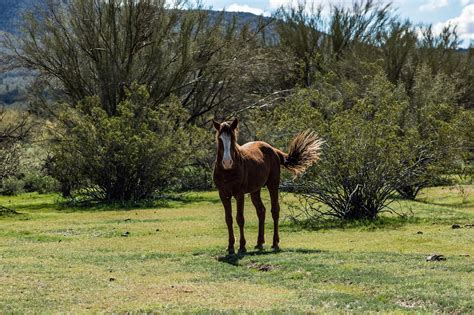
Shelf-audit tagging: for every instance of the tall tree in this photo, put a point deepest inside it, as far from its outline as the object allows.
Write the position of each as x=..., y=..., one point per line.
x=93, y=47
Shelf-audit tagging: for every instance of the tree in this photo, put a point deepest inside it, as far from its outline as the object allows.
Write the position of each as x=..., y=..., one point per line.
x=92, y=51
x=124, y=157
x=15, y=126
x=436, y=129
x=85, y=48
x=313, y=44
x=14, y=129
x=362, y=161
x=398, y=45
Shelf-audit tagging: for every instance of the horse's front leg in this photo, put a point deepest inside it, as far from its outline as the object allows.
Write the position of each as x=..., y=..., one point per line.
x=226, y=202
x=241, y=221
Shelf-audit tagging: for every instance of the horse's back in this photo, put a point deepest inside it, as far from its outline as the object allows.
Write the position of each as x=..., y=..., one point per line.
x=260, y=152
x=262, y=164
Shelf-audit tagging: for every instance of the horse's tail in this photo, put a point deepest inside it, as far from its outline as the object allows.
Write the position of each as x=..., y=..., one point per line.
x=304, y=150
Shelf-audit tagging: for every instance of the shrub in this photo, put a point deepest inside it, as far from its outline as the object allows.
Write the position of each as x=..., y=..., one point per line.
x=41, y=183
x=126, y=156
x=15, y=127
x=361, y=166
x=12, y=186
x=437, y=131
x=362, y=161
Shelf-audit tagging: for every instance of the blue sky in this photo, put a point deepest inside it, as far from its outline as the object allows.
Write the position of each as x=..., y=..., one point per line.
x=436, y=12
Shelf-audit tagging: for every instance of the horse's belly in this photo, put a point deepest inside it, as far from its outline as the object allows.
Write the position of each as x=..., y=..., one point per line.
x=257, y=177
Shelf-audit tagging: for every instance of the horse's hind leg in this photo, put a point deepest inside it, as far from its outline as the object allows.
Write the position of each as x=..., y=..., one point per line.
x=241, y=221
x=273, y=190
x=257, y=202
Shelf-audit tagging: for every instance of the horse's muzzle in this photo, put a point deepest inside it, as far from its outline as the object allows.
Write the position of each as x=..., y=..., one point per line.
x=227, y=164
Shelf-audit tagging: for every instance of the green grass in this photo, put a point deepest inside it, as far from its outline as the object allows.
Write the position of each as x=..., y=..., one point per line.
x=59, y=259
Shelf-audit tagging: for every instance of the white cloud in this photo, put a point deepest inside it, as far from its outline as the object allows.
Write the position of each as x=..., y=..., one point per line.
x=433, y=5
x=464, y=22
x=235, y=7
x=464, y=2
x=275, y=4
x=325, y=5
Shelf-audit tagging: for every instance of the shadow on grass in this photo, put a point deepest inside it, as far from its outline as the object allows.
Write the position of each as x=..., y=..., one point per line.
x=172, y=200
x=455, y=205
x=162, y=201
x=366, y=225
x=38, y=206
x=7, y=212
x=235, y=258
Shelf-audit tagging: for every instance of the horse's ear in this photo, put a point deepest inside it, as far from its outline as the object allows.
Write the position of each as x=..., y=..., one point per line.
x=216, y=125
x=234, y=124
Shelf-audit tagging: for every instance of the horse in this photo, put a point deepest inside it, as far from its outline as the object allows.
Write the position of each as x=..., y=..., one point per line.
x=240, y=170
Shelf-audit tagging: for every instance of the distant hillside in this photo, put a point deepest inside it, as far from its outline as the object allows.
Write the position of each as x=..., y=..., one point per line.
x=14, y=84
x=11, y=12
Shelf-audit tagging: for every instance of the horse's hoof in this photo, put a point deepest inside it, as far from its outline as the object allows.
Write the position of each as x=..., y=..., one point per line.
x=242, y=250
x=259, y=247
x=231, y=251
x=276, y=248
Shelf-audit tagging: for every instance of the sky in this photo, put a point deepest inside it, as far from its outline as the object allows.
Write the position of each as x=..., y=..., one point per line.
x=436, y=12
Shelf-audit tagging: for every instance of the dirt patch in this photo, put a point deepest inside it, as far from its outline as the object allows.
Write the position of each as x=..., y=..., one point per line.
x=409, y=303
x=64, y=232
x=262, y=267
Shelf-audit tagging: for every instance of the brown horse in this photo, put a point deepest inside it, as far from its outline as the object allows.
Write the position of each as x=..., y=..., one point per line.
x=239, y=170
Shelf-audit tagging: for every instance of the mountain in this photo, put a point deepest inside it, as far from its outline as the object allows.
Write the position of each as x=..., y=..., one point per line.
x=11, y=12
x=14, y=84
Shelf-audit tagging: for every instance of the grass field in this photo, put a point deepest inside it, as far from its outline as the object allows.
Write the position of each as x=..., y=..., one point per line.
x=58, y=259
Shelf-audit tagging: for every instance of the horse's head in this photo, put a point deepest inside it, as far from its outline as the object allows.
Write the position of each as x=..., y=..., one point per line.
x=226, y=142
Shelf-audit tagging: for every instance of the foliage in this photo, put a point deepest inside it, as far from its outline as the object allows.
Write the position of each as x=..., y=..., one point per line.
x=86, y=48
x=39, y=182
x=339, y=61
x=313, y=43
x=437, y=130
x=123, y=157
x=307, y=67
x=15, y=127
x=362, y=165
x=12, y=186
x=386, y=141
x=9, y=159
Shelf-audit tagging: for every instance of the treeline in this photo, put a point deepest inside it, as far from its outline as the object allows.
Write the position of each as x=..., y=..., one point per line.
x=126, y=90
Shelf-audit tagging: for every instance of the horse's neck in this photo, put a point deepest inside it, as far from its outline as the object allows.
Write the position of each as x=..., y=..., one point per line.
x=238, y=152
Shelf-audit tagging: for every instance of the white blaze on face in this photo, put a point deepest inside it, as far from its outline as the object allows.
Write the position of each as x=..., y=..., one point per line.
x=227, y=159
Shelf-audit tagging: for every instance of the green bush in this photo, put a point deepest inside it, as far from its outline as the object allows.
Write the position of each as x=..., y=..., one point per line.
x=195, y=178
x=436, y=131
x=41, y=183
x=361, y=166
x=12, y=186
x=123, y=157
x=362, y=162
